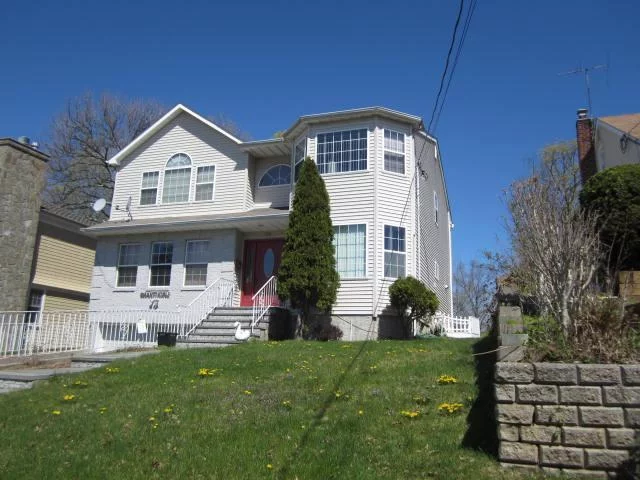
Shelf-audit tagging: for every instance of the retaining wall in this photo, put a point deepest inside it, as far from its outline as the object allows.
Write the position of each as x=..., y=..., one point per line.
x=571, y=418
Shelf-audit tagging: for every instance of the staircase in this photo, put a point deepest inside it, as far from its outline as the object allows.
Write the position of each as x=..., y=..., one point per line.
x=218, y=330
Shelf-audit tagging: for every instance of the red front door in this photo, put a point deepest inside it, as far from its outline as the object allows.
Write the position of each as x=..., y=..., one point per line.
x=261, y=262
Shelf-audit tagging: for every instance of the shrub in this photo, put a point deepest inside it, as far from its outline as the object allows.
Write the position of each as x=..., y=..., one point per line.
x=614, y=194
x=326, y=331
x=414, y=301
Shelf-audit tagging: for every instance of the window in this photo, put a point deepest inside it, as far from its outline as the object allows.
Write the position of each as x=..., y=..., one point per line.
x=36, y=298
x=128, y=257
x=149, y=190
x=342, y=151
x=394, y=252
x=436, y=270
x=161, y=259
x=278, y=175
x=177, y=179
x=349, y=242
x=204, y=183
x=196, y=259
x=436, y=207
x=394, y=151
x=300, y=152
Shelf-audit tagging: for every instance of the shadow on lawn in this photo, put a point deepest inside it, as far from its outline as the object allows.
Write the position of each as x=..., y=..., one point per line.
x=482, y=433
x=317, y=418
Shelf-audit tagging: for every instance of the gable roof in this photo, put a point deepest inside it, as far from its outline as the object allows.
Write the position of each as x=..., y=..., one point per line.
x=153, y=129
x=629, y=124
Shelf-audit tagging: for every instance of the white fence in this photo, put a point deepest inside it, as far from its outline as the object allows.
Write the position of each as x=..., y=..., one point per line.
x=263, y=300
x=456, y=327
x=31, y=333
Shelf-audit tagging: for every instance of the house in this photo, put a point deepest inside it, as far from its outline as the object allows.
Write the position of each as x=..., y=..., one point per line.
x=193, y=204
x=606, y=142
x=47, y=260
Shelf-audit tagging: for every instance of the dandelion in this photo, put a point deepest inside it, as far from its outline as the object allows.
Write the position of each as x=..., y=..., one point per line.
x=449, y=408
x=286, y=404
x=207, y=372
x=269, y=466
x=338, y=394
x=80, y=383
x=102, y=410
x=248, y=392
x=168, y=410
x=360, y=412
x=56, y=412
x=112, y=370
x=152, y=419
x=410, y=413
x=69, y=398
x=447, y=379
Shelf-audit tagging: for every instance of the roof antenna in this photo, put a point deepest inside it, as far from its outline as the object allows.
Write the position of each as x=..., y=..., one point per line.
x=585, y=71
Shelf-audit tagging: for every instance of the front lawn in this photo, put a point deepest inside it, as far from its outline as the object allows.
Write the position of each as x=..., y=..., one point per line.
x=289, y=410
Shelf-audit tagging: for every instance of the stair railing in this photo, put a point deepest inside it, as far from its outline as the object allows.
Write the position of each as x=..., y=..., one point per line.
x=219, y=294
x=263, y=300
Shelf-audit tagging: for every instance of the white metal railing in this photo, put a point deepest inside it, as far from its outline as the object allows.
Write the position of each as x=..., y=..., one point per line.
x=456, y=327
x=263, y=300
x=219, y=294
x=31, y=333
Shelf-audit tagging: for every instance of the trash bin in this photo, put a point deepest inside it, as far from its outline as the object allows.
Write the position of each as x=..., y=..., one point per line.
x=167, y=339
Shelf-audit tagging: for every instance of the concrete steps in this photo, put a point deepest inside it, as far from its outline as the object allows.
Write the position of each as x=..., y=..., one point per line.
x=218, y=329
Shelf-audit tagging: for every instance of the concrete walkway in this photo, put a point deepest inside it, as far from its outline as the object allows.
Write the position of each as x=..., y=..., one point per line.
x=19, y=379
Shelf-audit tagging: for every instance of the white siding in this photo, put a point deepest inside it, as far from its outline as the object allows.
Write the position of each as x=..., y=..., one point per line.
x=351, y=198
x=105, y=295
x=434, y=239
x=269, y=197
x=205, y=146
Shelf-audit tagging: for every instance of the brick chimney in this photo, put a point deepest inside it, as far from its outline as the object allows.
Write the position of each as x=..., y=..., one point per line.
x=586, y=150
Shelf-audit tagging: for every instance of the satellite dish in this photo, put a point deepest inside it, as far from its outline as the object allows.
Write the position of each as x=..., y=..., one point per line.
x=99, y=205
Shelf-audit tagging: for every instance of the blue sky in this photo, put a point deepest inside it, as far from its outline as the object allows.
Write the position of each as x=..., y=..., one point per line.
x=263, y=64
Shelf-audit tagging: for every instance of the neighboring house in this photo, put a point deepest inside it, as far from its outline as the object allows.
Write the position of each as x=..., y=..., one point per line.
x=606, y=142
x=62, y=261
x=192, y=204
x=46, y=261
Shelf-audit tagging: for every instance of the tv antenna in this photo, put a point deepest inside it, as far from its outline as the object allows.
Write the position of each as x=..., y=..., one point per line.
x=585, y=71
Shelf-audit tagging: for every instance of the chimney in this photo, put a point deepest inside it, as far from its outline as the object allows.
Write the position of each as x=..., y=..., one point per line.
x=586, y=150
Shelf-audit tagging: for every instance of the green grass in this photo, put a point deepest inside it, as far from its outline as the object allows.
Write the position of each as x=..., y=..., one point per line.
x=295, y=409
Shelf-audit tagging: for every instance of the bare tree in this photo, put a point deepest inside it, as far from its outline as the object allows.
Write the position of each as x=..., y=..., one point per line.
x=226, y=123
x=88, y=133
x=474, y=289
x=555, y=244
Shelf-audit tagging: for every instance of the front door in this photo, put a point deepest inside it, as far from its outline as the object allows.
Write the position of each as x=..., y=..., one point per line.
x=261, y=262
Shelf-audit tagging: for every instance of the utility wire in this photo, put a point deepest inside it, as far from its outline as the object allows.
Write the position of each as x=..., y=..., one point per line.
x=446, y=65
x=463, y=37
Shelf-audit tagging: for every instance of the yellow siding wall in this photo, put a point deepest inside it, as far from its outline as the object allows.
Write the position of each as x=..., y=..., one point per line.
x=53, y=302
x=63, y=265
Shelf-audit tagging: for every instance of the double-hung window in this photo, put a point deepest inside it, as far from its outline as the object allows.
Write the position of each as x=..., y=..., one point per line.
x=128, y=258
x=395, y=252
x=394, y=151
x=204, y=183
x=196, y=259
x=299, y=154
x=349, y=242
x=161, y=260
x=342, y=151
x=177, y=179
x=149, y=189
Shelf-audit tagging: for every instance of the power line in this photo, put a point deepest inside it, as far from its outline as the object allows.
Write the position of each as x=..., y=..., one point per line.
x=446, y=65
x=463, y=37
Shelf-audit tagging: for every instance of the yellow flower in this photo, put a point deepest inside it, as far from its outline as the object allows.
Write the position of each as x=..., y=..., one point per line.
x=152, y=419
x=207, y=372
x=69, y=398
x=447, y=379
x=269, y=466
x=449, y=408
x=286, y=404
x=360, y=412
x=112, y=370
x=410, y=413
x=248, y=392
x=56, y=412
x=102, y=410
x=79, y=383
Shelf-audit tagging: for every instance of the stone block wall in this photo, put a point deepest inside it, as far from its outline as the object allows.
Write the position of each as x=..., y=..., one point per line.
x=567, y=418
x=22, y=179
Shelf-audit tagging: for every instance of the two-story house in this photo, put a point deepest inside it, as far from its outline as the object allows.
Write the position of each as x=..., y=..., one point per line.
x=192, y=204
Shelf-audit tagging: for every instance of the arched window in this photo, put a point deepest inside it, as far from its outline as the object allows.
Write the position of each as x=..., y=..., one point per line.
x=278, y=175
x=177, y=179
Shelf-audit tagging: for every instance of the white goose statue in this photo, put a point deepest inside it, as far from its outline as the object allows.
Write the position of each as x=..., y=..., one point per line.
x=241, y=335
